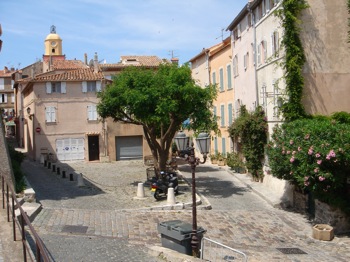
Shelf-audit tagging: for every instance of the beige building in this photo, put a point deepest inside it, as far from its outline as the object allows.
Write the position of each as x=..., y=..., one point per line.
x=327, y=71
x=126, y=141
x=56, y=108
x=213, y=66
x=7, y=99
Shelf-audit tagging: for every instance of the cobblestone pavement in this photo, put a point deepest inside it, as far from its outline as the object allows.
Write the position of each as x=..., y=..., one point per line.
x=102, y=223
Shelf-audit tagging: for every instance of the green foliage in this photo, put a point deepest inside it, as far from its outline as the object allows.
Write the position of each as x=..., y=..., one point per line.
x=314, y=155
x=251, y=128
x=234, y=161
x=294, y=61
x=160, y=101
x=16, y=160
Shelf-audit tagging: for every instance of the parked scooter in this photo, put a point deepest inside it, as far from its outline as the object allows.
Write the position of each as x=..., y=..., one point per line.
x=160, y=186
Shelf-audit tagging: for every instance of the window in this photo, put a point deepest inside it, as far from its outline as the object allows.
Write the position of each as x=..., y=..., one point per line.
x=249, y=18
x=91, y=86
x=214, y=78
x=50, y=114
x=56, y=87
x=275, y=43
x=230, y=113
x=214, y=113
x=3, y=98
x=229, y=77
x=246, y=61
x=12, y=98
x=223, y=145
x=92, y=112
x=222, y=114
x=222, y=88
x=2, y=83
x=264, y=46
x=235, y=66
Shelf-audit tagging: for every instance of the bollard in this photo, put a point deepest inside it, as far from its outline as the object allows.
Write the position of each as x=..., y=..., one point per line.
x=49, y=165
x=171, y=196
x=58, y=170
x=71, y=177
x=140, y=191
x=45, y=163
x=63, y=173
x=80, y=180
x=53, y=168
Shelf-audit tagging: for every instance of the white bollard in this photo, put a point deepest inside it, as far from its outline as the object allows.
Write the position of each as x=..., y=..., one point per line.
x=80, y=180
x=171, y=196
x=140, y=191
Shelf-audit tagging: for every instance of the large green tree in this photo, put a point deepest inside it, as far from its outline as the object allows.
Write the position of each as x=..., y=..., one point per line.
x=160, y=101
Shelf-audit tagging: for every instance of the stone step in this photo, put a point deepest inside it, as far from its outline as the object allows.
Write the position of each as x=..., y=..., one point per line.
x=31, y=209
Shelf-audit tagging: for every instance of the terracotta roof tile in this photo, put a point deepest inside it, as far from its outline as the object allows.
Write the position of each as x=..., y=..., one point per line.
x=84, y=74
x=67, y=64
x=6, y=73
x=134, y=60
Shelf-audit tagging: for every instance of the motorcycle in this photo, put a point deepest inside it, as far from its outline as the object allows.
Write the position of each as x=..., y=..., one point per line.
x=160, y=186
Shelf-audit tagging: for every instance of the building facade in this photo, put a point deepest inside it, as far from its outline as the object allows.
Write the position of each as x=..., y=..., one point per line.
x=7, y=99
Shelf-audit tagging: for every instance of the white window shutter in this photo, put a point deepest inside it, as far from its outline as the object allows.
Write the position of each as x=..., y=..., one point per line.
x=84, y=86
x=48, y=87
x=47, y=114
x=53, y=114
x=98, y=86
x=63, y=87
x=5, y=98
x=89, y=109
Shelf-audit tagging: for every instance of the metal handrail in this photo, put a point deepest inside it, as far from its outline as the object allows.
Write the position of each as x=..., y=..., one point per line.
x=41, y=251
x=221, y=245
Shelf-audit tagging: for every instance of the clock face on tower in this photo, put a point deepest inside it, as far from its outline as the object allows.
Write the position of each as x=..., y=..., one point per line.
x=53, y=43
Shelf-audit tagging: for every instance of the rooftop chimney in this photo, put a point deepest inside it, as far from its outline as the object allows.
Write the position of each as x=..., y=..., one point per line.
x=174, y=60
x=95, y=63
x=85, y=59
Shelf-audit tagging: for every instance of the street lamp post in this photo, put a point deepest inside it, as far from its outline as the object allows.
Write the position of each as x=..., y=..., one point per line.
x=203, y=142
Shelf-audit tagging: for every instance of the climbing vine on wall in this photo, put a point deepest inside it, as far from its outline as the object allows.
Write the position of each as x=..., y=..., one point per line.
x=292, y=107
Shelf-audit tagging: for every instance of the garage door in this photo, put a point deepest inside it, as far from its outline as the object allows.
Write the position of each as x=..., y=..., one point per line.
x=128, y=147
x=70, y=149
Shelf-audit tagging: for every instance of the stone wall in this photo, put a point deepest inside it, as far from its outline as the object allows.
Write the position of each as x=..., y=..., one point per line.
x=325, y=214
x=5, y=168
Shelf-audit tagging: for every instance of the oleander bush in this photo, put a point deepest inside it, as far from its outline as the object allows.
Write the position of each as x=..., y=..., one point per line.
x=314, y=155
x=16, y=160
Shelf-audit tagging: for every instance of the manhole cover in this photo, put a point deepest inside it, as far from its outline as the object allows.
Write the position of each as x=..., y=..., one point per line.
x=292, y=250
x=75, y=229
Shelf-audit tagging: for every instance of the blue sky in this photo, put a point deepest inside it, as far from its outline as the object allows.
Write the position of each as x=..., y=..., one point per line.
x=113, y=28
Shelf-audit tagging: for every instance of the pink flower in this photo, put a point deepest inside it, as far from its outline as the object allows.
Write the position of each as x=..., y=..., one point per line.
x=306, y=183
x=316, y=170
x=311, y=151
x=299, y=148
x=288, y=152
x=306, y=178
x=292, y=159
x=318, y=155
x=319, y=162
x=294, y=152
x=283, y=152
x=307, y=136
x=291, y=142
x=321, y=178
x=291, y=172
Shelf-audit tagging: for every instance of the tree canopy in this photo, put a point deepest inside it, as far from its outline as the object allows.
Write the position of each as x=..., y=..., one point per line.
x=159, y=100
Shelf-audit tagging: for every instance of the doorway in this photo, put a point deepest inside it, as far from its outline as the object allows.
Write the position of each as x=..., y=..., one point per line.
x=94, y=148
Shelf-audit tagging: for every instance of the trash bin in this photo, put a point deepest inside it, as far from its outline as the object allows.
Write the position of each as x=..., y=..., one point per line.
x=176, y=235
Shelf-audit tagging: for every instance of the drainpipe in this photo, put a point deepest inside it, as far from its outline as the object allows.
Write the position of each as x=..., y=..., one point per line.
x=255, y=58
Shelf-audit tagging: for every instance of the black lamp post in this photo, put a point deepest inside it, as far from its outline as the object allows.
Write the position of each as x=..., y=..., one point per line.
x=203, y=143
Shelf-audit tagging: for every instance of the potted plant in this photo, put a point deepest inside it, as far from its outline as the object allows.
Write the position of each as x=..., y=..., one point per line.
x=213, y=158
x=221, y=159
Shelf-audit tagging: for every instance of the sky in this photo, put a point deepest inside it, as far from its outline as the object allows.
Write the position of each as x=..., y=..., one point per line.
x=113, y=28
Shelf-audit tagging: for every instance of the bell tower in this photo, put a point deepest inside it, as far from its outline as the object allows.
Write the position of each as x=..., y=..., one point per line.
x=53, y=48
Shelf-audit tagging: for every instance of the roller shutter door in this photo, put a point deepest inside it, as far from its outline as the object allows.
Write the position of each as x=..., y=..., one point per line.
x=128, y=147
